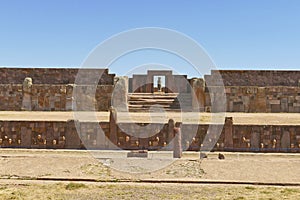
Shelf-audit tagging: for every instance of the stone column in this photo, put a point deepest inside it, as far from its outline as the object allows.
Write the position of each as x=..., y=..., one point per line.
x=26, y=136
x=171, y=126
x=285, y=140
x=198, y=94
x=26, y=102
x=120, y=94
x=69, y=97
x=228, y=143
x=170, y=135
x=177, y=152
x=113, y=127
x=255, y=139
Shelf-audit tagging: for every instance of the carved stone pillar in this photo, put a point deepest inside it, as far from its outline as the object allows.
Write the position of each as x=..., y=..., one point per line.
x=113, y=128
x=69, y=97
x=27, y=93
x=228, y=132
x=198, y=94
x=177, y=152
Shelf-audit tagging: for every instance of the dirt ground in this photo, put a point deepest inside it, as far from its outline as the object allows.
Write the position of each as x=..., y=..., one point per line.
x=271, y=168
x=24, y=174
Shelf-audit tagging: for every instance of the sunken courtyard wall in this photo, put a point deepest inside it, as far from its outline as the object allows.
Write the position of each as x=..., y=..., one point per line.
x=63, y=134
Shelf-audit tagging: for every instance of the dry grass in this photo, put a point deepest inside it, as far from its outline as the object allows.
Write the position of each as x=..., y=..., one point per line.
x=144, y=191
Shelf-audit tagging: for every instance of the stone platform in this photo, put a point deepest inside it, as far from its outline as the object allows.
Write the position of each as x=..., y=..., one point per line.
x=188, y=117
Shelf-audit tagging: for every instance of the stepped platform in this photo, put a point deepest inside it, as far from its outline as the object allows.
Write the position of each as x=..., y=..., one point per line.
x=173, y=102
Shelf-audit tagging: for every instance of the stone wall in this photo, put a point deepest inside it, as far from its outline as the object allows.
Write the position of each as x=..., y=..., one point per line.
x=251, y=99
x=143, y=83
x=51, y=75
x=55, y=134
x=53, y=97
x=11, y=97
x=255, y=78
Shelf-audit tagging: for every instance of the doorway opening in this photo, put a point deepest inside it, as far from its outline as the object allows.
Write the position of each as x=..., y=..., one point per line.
x=159, y=84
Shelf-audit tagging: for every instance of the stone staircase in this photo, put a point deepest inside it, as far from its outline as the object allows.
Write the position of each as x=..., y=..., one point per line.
x=173, y=102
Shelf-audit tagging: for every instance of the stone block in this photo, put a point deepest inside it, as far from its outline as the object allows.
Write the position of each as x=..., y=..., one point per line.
x=26, y=137
x=285, y=140
x=255, y=140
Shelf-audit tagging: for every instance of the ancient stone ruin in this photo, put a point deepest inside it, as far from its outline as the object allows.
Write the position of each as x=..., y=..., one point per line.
x=52, y=90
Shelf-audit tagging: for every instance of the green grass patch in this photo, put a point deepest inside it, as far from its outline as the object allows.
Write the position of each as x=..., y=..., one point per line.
x=74, y=186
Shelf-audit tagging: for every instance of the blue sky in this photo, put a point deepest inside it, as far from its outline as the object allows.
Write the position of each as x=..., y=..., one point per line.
x=262, y=34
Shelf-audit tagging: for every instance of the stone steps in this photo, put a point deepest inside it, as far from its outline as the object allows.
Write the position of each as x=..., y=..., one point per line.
x=143, y=102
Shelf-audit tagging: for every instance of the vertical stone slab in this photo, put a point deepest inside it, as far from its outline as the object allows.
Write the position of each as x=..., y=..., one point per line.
x=171, y=125
x=198, y=94
x=26, y=136
x=255, y=140
x=72, y=138
x=27, y=93
x=49, y=136
x=120, y=94
x=69, y=97
x=113, y=127
x=177, y=152
x=228, y=143
x=286, y=140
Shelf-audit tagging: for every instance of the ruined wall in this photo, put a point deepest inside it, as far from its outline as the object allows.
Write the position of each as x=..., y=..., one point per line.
x=52, y=97
x=55, y=134
x=51, y=89
x=260, y=78
x=272, y=99
x=51, y=75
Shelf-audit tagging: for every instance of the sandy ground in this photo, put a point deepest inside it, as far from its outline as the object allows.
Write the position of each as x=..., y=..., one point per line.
x=267, y=168
x=185, y=117
x=67, y=174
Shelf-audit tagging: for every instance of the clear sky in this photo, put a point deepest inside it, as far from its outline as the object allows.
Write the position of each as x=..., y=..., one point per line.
x=256, y=34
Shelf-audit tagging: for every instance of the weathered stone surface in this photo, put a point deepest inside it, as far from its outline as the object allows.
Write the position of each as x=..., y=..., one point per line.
x=255, y=140
x=286, y=140
x=228, y=141
x=177, y=152
x=198, y=94
x=72, y=138
x=27, y=87
x=120, y=93
x=260, y=78
x=113, y=128
x=52, y=75
x=26, y=137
